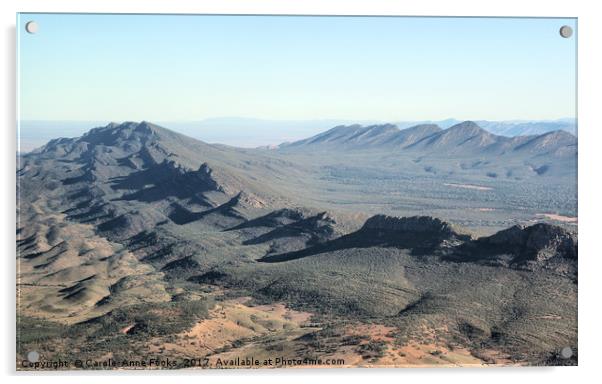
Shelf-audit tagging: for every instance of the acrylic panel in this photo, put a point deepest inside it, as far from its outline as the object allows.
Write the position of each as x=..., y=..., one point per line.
x=236, y=191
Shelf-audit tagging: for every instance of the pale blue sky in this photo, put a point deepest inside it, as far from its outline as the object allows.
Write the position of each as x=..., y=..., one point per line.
x=183, y=68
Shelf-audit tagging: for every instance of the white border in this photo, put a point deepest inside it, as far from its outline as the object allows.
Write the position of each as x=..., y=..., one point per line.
x=590, y=147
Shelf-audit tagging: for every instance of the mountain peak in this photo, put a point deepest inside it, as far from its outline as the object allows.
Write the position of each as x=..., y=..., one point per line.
x=424, y=126
x=113, y=132
x=372, y=132
x=559, y=133
x=467, y=127
x=383, y=127
x=555, y=141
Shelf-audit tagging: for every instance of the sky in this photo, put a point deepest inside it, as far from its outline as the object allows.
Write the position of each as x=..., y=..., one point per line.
x=189, y=68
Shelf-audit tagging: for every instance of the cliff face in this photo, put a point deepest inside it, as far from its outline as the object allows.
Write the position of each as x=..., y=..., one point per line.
x=524, y=247
x=539, y=242
x=417, y=224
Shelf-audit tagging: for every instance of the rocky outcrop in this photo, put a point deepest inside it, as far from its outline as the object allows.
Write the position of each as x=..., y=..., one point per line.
x=535, y=247
x=539, y=242
x=410, y=224
x=312, y=230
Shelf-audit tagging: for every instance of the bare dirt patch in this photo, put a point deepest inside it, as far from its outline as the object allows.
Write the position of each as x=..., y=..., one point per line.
x=468, y=186
x=235, y=326
x=564, y=219
x=354, y=345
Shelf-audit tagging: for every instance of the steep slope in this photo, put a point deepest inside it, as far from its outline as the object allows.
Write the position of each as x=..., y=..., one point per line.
x=420, y=234
x=359, y=137
x=409, y=136
x=113, y=168
x=556, y=143
x=347, y=135
x=82, y=202
x=459, y=138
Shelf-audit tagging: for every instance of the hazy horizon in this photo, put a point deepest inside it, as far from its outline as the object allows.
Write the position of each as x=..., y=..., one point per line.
x=235, y=131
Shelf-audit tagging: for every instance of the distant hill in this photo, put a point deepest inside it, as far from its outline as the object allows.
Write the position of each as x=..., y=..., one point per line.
x=506, y=127
x=357, y=136
x=521, y=128
x=460, y=139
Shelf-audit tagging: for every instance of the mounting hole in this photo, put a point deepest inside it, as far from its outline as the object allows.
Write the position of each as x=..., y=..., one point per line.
x=31, y=27
x=566, y=31
x=566, y=353
x=33, y=357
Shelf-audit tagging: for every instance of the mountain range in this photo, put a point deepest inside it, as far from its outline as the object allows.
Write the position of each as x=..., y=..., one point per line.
x=508, y=127
x=463, y=138
x=248, y=132
x=134, y=239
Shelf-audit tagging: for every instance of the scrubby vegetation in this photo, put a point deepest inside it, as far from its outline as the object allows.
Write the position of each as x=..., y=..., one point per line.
x=122, y=333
